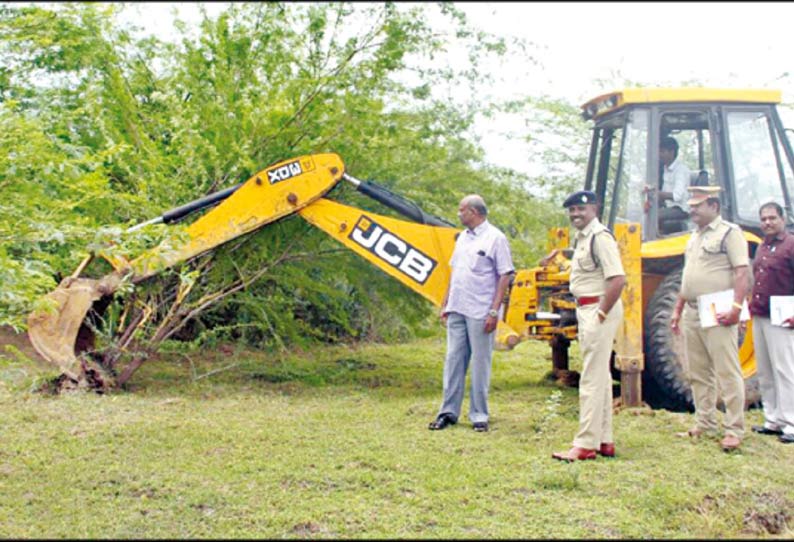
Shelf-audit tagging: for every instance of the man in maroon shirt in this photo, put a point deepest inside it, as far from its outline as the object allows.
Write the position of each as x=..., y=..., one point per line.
x=773, y=271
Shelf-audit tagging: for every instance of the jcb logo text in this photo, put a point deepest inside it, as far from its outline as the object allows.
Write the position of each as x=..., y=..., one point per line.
x=392, y=250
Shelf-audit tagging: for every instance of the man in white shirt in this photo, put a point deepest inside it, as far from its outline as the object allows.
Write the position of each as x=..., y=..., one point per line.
x=674, y=194
x=481, y=268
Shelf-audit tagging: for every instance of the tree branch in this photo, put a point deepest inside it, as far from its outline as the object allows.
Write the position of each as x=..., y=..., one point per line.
x=241, y=284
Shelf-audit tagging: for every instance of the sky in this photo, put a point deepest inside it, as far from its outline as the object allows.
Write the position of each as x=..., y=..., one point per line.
x=719, y=43
x=589, y=48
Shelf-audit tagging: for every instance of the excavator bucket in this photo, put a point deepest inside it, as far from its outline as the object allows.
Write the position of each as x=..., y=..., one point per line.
x=53, y=333
x=272, y=193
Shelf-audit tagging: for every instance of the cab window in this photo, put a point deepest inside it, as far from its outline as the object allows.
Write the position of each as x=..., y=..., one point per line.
x=759, y=170
x=689, y=163
x=620, y=166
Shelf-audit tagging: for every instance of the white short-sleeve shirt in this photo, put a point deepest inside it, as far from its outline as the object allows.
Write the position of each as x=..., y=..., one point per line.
x=676, y=179
x=480, y=257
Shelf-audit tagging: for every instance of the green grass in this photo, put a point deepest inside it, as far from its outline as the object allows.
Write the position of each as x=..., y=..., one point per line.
x=334, y=443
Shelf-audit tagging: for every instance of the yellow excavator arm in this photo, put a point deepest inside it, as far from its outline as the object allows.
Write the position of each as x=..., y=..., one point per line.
x=274, y=192
x=416, y=253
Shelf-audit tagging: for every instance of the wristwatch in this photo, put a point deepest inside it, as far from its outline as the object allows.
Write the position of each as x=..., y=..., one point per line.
x=493, y=312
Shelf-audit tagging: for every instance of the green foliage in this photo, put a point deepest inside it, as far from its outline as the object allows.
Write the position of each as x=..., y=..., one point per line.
x=559, y=139
x=103, y=130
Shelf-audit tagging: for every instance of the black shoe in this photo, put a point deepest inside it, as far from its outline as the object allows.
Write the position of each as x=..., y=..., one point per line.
x=441, y=422
x=786, y=438
x=480, y=427
x=762, y=430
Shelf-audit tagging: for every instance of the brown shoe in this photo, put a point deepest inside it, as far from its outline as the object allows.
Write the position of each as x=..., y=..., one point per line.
x=607, y=449
x=730, y=443
x=575, y=454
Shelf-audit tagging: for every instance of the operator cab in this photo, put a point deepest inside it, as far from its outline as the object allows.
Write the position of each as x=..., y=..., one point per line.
x=731, y=138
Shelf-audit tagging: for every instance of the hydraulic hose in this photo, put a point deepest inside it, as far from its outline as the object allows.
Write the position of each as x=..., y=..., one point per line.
x=393, y=201
x=182, y=211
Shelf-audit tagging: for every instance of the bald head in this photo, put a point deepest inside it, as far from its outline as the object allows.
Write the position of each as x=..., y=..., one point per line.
x=472, y=211
x=476, y=202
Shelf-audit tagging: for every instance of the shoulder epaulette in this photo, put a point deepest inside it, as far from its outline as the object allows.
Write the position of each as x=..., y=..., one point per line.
x=596, y=261
x=731, y=226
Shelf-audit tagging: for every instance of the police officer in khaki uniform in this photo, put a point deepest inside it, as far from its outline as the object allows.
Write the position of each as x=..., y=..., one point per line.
x=716, y=259
x=597, y=279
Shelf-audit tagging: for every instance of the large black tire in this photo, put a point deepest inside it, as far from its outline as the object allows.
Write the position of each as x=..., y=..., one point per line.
x=664, y=382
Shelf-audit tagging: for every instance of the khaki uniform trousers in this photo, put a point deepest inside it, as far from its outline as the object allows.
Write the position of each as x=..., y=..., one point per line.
x=713, y=359
x=596, y=341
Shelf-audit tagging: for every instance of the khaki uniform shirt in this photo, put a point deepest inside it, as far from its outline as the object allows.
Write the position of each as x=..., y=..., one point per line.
x=587, y=278
x=709, y=262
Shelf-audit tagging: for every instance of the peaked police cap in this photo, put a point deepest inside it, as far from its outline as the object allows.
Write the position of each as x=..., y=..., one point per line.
x=699, y=194
x=580, y=198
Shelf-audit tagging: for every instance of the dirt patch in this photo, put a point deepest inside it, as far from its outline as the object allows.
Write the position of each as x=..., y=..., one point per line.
x=306, y=529
x=565, y=378
x=13, y=343
x=769, y=513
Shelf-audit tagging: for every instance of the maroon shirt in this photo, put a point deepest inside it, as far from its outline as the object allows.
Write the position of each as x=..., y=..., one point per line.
x=773, y=271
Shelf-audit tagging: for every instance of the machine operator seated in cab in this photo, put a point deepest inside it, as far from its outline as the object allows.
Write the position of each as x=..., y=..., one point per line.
x=672, y=197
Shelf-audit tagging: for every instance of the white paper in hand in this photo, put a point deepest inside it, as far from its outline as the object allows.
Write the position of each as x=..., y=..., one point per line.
x=781, y=308
x=710, y=305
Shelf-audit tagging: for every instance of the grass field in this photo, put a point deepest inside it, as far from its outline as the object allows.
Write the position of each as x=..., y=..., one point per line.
x=334, y=443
